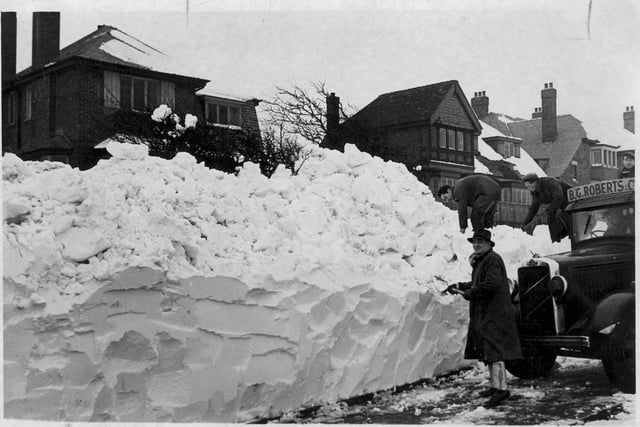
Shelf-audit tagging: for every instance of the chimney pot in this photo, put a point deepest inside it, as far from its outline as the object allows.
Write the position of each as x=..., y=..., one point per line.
x=480, y=104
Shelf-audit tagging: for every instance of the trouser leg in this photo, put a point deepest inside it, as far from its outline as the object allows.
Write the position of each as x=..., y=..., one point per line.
x=489, y=214
x=497, y=375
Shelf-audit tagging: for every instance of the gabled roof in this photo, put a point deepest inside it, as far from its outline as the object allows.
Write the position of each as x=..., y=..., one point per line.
x=419, y=104
x=111, y=45
x=561, y=151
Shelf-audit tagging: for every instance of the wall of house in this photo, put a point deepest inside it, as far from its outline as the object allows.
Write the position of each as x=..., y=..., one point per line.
x=250, y=118
x=37, y=129
x=9, y=131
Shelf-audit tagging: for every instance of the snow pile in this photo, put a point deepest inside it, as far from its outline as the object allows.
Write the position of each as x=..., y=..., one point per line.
x=159, y=290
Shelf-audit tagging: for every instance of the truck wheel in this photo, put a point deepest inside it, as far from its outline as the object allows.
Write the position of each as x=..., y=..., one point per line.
x=537, y=362
x=619, y=361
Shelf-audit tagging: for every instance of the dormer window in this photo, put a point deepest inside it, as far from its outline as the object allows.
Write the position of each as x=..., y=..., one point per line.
x=223, y=113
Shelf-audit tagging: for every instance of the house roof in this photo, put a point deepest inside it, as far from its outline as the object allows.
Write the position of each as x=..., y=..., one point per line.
x=491, y=162
x=111, y=45
x=500, y=122
x=410, y=105
x=560, y=153
x=609, y=134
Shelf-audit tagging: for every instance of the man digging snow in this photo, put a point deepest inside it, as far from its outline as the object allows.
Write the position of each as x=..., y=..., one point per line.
x=492, y=337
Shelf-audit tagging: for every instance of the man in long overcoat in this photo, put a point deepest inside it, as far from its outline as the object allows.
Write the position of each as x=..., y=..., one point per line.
x=479, y=192
x=492, y=337
x=552, y=192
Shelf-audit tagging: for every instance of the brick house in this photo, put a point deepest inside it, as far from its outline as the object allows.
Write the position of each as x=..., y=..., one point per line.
x=434, y=131
x=559, y=143
x=68, y=100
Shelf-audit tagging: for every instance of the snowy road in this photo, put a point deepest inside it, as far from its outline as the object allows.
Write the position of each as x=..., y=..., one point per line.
x=576, y=392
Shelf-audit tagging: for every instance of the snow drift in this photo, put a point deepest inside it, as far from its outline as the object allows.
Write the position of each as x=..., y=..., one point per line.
x=159, y=290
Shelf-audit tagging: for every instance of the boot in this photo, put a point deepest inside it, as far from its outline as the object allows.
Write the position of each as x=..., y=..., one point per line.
x=488, y=392
x=497, y=398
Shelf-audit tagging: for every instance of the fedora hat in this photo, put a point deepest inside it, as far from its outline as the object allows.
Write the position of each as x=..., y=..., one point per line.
x=481, y=233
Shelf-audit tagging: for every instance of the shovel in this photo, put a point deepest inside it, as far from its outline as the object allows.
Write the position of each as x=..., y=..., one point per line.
x=446, y=282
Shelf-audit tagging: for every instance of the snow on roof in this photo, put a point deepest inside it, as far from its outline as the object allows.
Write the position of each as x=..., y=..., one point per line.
x=210, y=90
x=486, y=151
x=479, y=167
x=130, y=49
x=523, y=165
x=612, y=135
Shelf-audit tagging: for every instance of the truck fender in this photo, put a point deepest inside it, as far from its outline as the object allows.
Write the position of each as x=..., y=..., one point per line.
x=611, y=310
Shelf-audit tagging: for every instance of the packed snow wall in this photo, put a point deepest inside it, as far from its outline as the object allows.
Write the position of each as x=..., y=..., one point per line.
x=159, y=290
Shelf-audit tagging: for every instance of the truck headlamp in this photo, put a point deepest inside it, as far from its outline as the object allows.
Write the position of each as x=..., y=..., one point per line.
x=558, y=286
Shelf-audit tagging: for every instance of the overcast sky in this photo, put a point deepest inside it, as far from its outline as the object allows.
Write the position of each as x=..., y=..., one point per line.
x=590, y=50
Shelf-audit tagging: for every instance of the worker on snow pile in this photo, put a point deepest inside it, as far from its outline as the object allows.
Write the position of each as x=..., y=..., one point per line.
x=492, y=336
x=479, y=192
x=553, y=192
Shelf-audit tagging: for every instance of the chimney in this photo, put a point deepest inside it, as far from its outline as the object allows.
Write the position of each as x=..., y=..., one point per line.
x=549, y=117
x=46, y=38
x=8, y=45
x=629, y=119
x=480, y=104
x=537, y=113
x=333, y=120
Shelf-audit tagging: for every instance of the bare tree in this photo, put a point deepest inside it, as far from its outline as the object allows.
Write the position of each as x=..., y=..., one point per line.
x=302, y=111
x=279, y=147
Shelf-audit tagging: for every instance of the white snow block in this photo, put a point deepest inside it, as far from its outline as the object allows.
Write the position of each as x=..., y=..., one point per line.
x=145, y=348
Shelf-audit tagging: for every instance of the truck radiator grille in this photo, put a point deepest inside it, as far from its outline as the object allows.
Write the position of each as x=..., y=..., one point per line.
x=597, y=281
x=536, y=304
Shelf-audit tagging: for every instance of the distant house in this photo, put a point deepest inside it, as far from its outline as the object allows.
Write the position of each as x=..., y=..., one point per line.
x=624, y=137
x=560, y=145
x=431, y=129
x=68, y=100
x=434, y=131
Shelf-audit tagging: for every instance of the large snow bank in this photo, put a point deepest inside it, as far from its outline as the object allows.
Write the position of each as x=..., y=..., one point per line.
x=159, y=290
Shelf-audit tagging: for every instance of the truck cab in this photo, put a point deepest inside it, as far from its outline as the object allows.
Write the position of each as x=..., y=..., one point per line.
x=581, y=303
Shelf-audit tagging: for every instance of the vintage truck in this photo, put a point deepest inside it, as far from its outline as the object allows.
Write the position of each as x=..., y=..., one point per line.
x=581, y=303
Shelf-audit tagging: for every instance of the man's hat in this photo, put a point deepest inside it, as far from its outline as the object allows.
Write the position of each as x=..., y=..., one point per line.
x=481, y=233
x=629, y=155
x=530, y=177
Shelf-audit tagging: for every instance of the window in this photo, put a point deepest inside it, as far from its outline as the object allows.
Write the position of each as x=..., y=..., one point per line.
x=475, y=143
x=140, y=94
x=451, y=139
x=596, y=157
x=28, y=99
x=603, y=157
x=223, y=114
x=111, y=89
x=467, y=142
x=443, y=138
x=459, y=141
x=516, y=150
x=168, y=94
x=12, y=111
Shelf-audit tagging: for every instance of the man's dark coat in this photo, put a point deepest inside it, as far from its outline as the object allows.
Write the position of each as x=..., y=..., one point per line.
x=478, y=191
x=492, y=334
x=553, y=192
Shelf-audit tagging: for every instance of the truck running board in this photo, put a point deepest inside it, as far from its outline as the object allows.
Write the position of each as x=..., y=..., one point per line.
x=575, y=341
